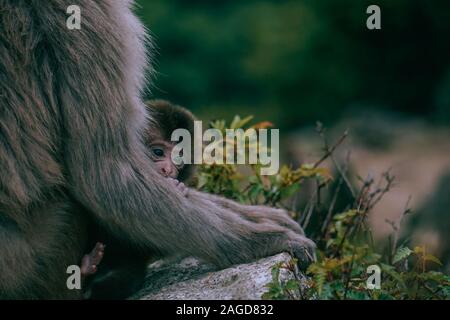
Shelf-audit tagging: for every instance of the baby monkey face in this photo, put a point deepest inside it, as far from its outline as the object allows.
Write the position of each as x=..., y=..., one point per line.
x=161, y=154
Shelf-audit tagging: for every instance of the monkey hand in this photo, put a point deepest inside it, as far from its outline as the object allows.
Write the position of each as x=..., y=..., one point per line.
x=90, y=261
x=303, y=249
x=258, y=214
x=295, y=243
x=300, y=246
x=277, y=236
x=273, y=228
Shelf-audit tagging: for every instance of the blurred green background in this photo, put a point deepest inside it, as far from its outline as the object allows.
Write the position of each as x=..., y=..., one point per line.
x=294, y=62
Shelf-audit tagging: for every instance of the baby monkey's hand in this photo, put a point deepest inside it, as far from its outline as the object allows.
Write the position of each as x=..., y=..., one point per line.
x=180, y=186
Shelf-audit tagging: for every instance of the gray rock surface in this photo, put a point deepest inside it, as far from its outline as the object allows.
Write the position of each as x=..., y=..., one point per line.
x=192, y=280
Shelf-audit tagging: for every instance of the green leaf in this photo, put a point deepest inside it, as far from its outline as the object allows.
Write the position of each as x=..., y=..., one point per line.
x=356, y=295
x=390, y=270
x=239, y=123
x=291, y=285
x=433, y=276
x=345, y=215
x=429, y=257
x=320, y=278
x=290, y=190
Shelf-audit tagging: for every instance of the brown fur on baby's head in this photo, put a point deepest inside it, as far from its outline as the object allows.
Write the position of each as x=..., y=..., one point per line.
x=166, y=118
x=169, y=117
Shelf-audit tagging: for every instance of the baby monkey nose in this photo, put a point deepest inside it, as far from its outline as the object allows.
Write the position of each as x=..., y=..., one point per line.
x=165, y=171
x=169, y=171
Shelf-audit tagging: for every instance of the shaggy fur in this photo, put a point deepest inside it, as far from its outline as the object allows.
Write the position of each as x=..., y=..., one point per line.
x=71, y=121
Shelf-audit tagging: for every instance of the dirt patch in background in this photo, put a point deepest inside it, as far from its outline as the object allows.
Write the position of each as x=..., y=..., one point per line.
x=416, y=154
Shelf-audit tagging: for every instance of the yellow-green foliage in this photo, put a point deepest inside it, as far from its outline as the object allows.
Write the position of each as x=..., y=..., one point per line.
x=345, y=246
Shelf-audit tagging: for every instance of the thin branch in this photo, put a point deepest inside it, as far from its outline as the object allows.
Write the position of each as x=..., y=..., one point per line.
x=349, y=275
x=396, y=226
x=310, y=206
x=336, y=194
x=328, y=151
x=344, y=172
x=327, y=220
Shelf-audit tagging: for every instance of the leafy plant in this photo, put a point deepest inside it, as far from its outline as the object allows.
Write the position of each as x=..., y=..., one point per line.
x=345, y=244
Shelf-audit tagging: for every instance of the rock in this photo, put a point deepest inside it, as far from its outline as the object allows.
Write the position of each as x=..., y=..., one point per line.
x=189, y=279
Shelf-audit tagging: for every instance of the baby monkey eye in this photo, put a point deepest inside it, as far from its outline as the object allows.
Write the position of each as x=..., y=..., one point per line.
x=158, y=152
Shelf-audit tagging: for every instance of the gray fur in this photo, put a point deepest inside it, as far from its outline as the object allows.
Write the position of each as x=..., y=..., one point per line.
x=71, y=119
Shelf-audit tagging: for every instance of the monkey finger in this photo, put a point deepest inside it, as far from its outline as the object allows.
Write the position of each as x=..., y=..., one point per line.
x=174, y=182
x=304, y=250
x=283, y=217
x=286, y=223
x=85, y=265
x=279, y=216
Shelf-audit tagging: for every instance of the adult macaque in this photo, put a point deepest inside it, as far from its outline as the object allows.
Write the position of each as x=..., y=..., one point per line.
x=72, y=155
x=123, y=270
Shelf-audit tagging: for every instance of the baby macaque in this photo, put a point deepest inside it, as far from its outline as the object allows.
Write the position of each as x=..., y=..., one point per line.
x=166, y=119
